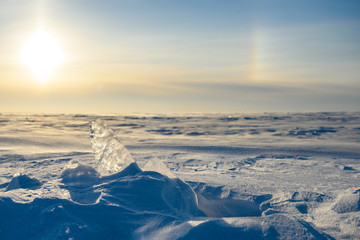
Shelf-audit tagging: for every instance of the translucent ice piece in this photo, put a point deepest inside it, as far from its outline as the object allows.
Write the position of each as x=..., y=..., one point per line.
x=158, y=166
x=110, y=154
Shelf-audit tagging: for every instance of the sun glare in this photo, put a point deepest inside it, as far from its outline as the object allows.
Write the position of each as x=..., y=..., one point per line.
x=42, y=54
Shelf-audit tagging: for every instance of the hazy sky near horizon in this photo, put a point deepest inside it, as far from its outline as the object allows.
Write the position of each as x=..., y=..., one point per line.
x=202, y=55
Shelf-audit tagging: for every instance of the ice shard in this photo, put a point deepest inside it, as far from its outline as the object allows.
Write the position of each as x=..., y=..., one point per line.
x=158, y=166
x=111, y=156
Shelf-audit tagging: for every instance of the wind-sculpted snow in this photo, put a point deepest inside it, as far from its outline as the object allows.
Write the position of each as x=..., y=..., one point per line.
x=213, y=176
x=134, y=204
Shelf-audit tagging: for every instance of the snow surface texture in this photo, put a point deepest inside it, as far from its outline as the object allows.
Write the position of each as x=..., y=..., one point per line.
x=195, y=176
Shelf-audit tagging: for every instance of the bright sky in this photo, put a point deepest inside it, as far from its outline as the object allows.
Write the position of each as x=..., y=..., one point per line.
x=166, y=55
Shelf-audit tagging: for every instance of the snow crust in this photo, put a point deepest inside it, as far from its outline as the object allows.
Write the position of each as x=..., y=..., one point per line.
x=214, y=176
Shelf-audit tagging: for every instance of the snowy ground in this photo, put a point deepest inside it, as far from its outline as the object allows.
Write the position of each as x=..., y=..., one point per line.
x=259, y=176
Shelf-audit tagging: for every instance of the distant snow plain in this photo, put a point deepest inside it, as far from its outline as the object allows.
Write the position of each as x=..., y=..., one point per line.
x=212, y=176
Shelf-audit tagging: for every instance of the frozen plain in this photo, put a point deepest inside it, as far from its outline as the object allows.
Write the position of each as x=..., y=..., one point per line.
x=250, y=176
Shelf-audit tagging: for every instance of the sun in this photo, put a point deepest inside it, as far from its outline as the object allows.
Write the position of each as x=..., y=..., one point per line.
x=42, y=54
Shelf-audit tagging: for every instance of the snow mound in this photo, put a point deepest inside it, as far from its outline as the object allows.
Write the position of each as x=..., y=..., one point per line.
x=110, y=207
x=79, y=174
x=23, y=181
x=347, y=203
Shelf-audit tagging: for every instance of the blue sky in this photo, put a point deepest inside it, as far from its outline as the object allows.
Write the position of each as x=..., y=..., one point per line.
x=159, y=56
